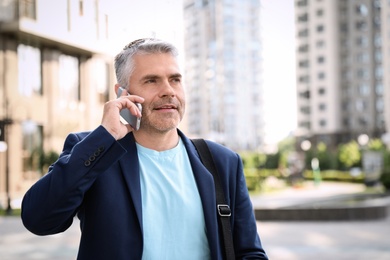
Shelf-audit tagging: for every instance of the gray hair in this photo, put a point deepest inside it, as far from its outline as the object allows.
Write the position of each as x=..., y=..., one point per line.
x=124, y=62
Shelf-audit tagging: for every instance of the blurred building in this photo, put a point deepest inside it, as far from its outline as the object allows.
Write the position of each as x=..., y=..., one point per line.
x=54, y=78
x=223, y=72
x=342, y=59
x=385, y=23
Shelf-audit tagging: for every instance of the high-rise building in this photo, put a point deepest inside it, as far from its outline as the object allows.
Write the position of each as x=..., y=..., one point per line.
x=223, y=72
x=340, y=72
x=385, y=23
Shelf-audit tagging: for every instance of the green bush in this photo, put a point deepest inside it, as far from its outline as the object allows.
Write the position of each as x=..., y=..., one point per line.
x=385, y=179
x=335, y=175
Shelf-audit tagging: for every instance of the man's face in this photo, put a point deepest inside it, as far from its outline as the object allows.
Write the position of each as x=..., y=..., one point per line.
x=157, y=78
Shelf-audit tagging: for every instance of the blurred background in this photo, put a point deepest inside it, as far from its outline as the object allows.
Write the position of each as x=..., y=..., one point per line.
x=297, y=88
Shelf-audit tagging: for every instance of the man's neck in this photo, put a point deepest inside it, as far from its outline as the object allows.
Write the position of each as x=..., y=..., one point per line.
x=157, y=141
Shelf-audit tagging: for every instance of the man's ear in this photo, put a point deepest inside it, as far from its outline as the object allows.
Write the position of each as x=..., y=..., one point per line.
x=116, y=88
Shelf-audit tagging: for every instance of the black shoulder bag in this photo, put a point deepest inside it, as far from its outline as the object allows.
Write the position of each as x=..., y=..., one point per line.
x=223, y=208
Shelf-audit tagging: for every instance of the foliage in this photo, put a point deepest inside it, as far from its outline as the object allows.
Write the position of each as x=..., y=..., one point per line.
x=349, y=154
x=376, y=145
x=385, y=179
x=272, y=161
x=335, y=175
x=385, y=176
x=252, y=159
x=46, y=159
x=334, y=165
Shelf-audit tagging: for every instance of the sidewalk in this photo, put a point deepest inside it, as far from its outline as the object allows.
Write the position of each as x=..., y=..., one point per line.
x=327, y=201
x=308, y=192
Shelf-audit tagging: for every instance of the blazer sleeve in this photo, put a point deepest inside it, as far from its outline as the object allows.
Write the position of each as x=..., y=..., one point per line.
x=49, y=206
x=247, y=243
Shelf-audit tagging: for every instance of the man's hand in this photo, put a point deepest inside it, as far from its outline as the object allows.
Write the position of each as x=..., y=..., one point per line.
x=111, y=118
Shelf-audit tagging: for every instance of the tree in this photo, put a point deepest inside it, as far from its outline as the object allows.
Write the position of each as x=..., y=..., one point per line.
x=349, y=154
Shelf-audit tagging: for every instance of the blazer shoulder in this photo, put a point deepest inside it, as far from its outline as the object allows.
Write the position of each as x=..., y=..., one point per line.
x=219, y=149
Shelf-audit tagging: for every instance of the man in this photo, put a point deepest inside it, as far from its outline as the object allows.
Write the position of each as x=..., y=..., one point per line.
x=143, y=194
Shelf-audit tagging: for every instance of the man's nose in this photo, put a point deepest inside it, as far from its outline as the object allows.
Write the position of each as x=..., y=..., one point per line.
x=167, y=89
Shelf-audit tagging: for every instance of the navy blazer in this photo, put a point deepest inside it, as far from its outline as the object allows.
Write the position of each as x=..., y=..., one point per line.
x=97, y=178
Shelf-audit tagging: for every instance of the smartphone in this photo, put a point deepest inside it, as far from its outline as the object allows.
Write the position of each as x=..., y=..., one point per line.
x=134, y=121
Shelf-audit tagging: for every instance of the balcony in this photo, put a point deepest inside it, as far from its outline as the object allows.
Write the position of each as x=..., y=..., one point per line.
x=56, y=24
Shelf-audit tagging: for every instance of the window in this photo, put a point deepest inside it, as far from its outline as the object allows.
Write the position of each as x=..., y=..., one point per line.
x=304, y=79
x=378, y=40
x=322, y=122
x=303, y=18
x=321, y=91
x=378, y=72
x=321, y=75
x=361, y=25
x=362, y=9
x=362, y=57
x=344, y=28
x=320, y=59
x=305, y=94
x=378, y=55
x=346, y=121
x=322, y=106
x=305, y=110
x=320, y=44
x=32, y=146
x=363, y=89
x=102, y=80
x=303, y=33
x=379, y=88
x=27, y=9
x=362, y=73
x=362, y=121
x=69, y=78
x=81, y=7
x=320, y=12
x=302, y=3
x=360, y=105
x=320, y=28
x=362, y=41
x=303, y=48
x=29, y=70
x=304, y=64
x=380, y=105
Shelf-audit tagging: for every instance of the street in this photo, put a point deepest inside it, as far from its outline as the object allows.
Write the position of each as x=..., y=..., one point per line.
x=281, y=240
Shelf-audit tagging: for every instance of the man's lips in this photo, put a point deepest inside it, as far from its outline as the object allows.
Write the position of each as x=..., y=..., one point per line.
x=164, y=107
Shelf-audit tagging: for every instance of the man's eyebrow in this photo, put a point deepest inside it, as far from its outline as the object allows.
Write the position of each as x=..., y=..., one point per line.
x=154, y=76
x=176, y=75
x=149, y=76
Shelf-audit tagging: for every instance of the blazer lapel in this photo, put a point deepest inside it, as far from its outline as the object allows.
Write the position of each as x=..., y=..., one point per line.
x=130, y=169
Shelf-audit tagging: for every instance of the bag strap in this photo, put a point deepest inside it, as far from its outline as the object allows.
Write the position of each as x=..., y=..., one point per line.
x=223, y=208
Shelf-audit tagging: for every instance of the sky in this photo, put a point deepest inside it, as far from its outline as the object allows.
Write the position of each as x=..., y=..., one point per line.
x=277, y=25
x=278, y=36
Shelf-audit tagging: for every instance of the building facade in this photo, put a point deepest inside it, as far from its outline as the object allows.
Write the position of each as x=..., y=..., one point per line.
x=340, y=70
x=54, y=78
x=385, y=22
x=223, y=72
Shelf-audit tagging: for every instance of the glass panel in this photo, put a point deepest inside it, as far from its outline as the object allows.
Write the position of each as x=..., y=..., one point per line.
x=69, y=78
x=29, y=70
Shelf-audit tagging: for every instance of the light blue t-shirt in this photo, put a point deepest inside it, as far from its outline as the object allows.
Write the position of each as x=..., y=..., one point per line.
x=172, y=213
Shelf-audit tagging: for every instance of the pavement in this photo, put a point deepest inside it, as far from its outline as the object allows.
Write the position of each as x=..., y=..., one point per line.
x=320, y=240
x=290, y=240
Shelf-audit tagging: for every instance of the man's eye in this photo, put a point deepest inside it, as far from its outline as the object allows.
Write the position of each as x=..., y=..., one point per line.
x=150, y=81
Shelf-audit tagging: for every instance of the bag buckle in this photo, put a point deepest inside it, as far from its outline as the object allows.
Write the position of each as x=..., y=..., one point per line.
x=224, y=210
